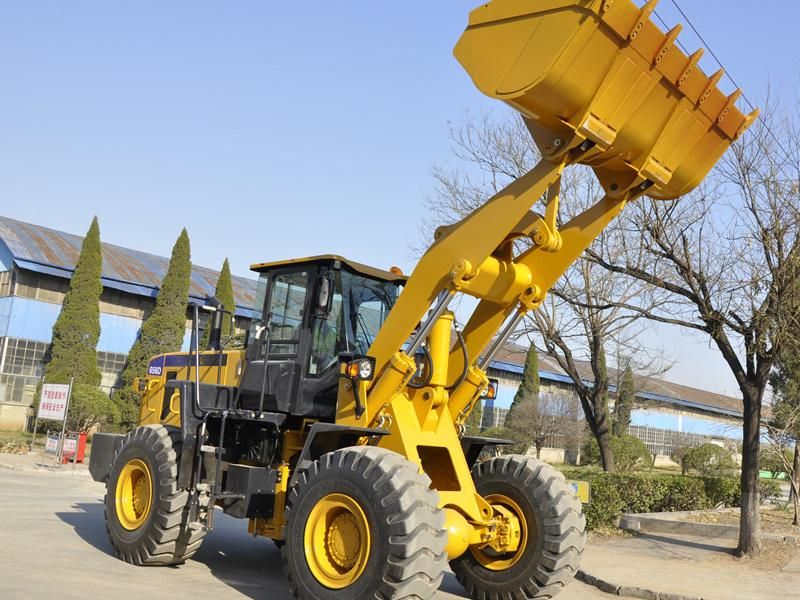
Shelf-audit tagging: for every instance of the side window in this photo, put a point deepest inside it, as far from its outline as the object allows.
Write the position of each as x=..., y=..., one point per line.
x=286, y=305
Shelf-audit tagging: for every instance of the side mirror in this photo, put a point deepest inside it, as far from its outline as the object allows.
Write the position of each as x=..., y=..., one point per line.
x=324, y=295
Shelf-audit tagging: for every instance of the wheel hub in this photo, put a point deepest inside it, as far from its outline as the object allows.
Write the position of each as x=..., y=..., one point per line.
x=134, y=494
x=511, y=538
x=344, y=540
x=337, y=541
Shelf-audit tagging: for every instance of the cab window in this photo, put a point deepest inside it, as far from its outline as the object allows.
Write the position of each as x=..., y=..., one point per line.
x=285, y=311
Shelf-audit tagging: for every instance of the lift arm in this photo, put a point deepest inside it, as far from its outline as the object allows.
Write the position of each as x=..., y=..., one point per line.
x=598, y=84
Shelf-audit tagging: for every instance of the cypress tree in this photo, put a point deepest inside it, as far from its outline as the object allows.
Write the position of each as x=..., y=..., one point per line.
x=624, y=403
x=529, y=386
x=162, y=331
x=73, y=352
x=223, y=293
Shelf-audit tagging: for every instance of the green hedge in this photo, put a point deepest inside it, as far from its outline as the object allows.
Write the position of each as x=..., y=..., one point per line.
x=616, y=493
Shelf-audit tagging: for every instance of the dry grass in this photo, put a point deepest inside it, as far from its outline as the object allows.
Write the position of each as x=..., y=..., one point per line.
x=773, y=557
x=778, y=521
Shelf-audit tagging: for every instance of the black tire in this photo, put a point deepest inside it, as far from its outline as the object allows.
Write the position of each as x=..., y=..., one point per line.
x=408, y=556
x=552, y=556
x=164, y=538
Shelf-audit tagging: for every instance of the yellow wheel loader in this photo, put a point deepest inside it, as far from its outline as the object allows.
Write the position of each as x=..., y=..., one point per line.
x=339, y=430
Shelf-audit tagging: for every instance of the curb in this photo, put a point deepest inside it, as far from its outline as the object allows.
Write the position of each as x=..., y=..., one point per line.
x=656, y=523
x=54, y=470
x=609, y=587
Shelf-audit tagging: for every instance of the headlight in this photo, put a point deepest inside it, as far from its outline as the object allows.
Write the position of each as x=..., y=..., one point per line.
x=361, y=368
x=365, y=369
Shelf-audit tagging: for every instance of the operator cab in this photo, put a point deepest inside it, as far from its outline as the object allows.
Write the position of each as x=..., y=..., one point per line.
x=311, y=310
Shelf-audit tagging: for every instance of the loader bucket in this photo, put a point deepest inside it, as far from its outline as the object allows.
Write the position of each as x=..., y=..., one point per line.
x=602, y=71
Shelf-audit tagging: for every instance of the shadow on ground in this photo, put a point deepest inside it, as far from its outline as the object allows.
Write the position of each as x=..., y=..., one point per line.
x=251, y=566
x=666, y=541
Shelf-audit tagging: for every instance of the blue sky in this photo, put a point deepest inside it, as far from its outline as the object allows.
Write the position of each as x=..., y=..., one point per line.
x=273, y=130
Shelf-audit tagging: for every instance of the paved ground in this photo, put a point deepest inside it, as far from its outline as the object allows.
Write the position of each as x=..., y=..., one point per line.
x=52, y=537
x=53, y=543
x=703, y=567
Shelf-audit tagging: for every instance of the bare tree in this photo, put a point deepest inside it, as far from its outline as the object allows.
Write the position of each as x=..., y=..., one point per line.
x=570, y=325
x=544, y=421
x=727, y=258
x=583, y=316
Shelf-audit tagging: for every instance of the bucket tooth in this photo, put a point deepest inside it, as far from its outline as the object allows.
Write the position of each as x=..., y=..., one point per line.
x=644, y=15
x=669, y=42
x=690, y=65
x=713, y=81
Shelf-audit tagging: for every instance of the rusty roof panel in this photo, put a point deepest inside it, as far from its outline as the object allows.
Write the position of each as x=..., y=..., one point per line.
x=31, y=243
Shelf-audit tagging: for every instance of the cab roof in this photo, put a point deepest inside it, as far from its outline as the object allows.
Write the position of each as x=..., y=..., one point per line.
x=358, y=267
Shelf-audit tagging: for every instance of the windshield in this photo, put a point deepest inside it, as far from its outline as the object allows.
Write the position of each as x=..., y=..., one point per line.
x=368, y=302
x=358, y=309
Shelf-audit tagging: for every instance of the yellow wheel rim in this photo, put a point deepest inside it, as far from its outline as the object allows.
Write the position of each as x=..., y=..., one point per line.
x=496, y=561
x=134, y=495
x=337, y=541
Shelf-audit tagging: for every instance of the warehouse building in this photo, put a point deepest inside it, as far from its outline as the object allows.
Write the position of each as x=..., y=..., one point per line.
x=36, y=264
x=665, y=415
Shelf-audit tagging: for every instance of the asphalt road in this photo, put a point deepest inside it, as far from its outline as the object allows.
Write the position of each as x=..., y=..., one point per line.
x=53, y=544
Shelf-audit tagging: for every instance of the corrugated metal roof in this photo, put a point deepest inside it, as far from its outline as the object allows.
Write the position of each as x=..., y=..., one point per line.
x=45, y=250
x=512, y=358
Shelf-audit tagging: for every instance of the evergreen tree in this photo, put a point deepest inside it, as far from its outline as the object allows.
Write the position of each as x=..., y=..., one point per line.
x=624, y=404
x=163, y=331
x=73, y=352
x=223, y=293
x=529, y=386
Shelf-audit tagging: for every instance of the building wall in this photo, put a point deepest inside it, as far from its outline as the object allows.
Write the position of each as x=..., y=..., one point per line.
x=686, y=422
x=6, y=268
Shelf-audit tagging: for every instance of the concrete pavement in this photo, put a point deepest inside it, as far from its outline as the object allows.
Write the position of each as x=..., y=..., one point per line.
x=53, y=544
x=692, y=566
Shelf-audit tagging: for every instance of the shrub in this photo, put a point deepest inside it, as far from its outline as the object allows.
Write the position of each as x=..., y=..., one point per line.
x=616, y=493
x=630, y=453
x=723, y=491
x=709, y=460
x=90, y=407
x=769, y=488
x=678, y=455
x=590, y=452
x=682, y=493
x=606, y=504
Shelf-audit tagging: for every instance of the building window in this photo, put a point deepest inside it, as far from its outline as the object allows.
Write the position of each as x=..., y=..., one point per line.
x=16, y=388
x=53, y=289
x=493, y=417
x=110, y=365
x=41, y=287
x=115, y=302
x=662, y=442
x=23, y=357
x=22, y=366
x=5, y=283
